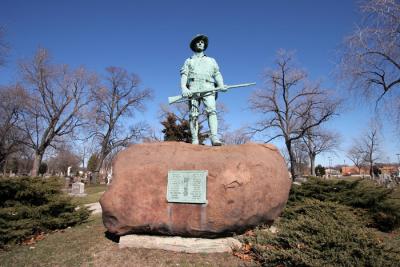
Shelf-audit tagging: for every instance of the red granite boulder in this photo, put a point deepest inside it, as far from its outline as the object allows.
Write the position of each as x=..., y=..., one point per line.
x=247, y=185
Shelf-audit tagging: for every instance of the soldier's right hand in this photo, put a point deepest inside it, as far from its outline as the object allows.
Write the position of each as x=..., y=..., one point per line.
x=186, y=93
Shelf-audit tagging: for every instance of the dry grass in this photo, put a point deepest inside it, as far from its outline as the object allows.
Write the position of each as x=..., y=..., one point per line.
x=94, y=192
x=86, y=245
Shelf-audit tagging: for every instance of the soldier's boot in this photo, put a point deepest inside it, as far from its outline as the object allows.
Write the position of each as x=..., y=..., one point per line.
x=194, y=130
x=213, y=125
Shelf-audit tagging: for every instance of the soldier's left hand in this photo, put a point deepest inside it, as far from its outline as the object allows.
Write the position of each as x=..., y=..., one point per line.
x=223, y=88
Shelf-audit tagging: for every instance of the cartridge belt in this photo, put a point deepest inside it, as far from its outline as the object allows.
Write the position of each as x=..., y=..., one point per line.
x=199, y=80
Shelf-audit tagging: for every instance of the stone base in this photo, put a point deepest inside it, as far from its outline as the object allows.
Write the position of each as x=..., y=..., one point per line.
x=180, y=244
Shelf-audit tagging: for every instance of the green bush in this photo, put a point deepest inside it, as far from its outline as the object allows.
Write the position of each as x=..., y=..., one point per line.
x=43, y=168
x=382, y=206
x=319, y=170
x=32, y=205
x=316, y=233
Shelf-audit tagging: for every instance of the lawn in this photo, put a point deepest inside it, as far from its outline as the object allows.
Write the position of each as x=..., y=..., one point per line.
x=86, y=245
x=325, y=223
x=93, y=192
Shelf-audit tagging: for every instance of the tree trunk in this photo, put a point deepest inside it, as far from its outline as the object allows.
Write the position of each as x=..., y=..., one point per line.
x=293, y=168
x=292, y=160
x=5, y=167
x=36, y=164
x=359, y=171
x=100, y=160
x=371, y=171
x=312, y=164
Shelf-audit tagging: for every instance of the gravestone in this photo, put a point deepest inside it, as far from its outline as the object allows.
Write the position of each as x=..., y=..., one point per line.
x=67, y=182
x=78, y=189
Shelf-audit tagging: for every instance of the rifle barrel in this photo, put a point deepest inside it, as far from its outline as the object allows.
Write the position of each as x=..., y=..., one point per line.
x=180, y=98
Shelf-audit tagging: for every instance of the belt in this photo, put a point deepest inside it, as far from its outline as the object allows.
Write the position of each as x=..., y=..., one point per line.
x=199, y=80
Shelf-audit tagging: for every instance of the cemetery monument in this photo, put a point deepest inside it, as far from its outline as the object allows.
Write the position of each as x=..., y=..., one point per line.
x=186, y=190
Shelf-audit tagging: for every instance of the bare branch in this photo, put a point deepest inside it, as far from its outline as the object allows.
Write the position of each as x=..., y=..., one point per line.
x=366, y=149
x=118, y=95
x=12, y=99
x=291, y=105
x=317, y=141
x=370, y=58
x=57, y=99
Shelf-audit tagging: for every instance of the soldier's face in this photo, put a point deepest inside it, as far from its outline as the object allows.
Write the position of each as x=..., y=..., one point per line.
x=200, y=46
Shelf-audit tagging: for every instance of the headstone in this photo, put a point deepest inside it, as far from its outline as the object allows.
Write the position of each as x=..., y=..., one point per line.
x=67, y=182
x=78, y=189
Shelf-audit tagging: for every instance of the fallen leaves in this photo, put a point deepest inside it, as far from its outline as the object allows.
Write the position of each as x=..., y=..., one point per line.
x=244, y=257
x=32, y=240
x=244, y=253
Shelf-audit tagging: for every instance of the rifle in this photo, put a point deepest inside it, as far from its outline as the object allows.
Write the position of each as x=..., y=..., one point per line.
x=180, y=98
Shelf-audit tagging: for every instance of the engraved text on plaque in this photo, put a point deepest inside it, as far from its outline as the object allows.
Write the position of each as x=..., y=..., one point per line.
x=187, y=186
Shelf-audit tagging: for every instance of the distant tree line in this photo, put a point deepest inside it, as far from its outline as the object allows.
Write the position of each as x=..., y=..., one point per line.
x=51, y=106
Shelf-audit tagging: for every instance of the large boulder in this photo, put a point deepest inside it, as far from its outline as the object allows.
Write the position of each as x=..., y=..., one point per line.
x=247, y=185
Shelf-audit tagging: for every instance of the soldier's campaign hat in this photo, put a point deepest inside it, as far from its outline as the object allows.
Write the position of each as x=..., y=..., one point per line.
x=197, y=38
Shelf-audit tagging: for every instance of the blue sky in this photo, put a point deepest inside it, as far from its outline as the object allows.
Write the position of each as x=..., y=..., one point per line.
x=151, y=39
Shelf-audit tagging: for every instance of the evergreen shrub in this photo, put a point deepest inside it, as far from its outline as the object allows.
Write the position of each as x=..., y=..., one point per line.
x=32, y=205
x=316, y=233
x=382, y=206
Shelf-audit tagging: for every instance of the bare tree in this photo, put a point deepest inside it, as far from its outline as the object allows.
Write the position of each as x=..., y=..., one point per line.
x=366, y=149
x=11, y=137
x=370, y=147
x=20, y=161
x=56, y=106
x=356, y=155
x=117, y=98
x=153, y=136
x=301, y=156
x=236, y=137
x=318, y=141
x=290, y=104
x=63, y=159
x=371, y=56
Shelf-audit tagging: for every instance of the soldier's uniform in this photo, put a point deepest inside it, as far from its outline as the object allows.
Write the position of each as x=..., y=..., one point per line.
x=201, y=73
